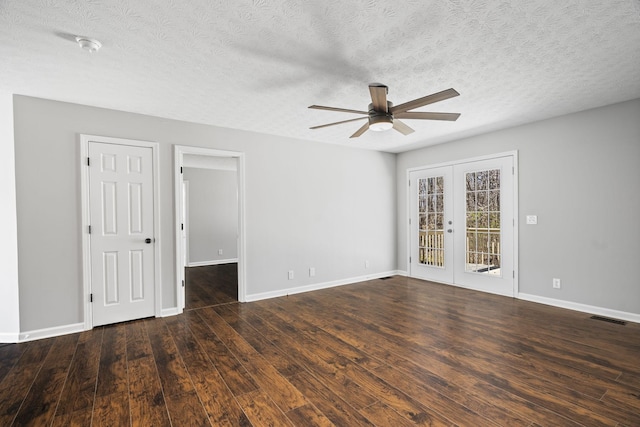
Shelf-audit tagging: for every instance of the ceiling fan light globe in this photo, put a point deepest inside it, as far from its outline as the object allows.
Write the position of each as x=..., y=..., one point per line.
x=380, y=127
x=380, y=123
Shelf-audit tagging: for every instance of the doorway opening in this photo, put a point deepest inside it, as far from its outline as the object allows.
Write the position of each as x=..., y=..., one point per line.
x=210, y=230
x=209, y=202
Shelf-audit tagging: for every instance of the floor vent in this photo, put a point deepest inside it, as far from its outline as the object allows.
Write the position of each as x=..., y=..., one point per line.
x=606, y=319
x=385, y=278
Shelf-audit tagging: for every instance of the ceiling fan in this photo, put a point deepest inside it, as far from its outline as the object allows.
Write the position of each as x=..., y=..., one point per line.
x=383, y=115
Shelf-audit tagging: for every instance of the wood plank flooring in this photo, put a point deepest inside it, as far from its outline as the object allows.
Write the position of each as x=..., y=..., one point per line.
x=394, y=352
x=211, y=285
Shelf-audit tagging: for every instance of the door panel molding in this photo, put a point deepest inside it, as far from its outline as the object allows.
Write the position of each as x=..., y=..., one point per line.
x=458, y=165
x=84, y=141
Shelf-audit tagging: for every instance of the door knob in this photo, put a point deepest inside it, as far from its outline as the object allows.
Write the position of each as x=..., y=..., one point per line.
x=147, y=240
x=450, y=230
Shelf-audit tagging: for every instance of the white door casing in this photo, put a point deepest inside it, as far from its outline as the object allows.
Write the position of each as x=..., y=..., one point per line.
x=121, y=247
x=185, y=224
x=443, y=244
x=179, y=152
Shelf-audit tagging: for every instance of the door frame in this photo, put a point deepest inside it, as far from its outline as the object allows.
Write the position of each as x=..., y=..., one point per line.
x=184, y=238
x=84, y=141
x=178, y=159
x=514, y=155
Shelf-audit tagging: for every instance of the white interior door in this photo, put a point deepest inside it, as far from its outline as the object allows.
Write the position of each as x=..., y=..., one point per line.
x=121, y=240
x=462, y=225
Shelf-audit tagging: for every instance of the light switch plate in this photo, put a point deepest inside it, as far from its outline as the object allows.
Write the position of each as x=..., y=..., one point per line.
x=532, y=219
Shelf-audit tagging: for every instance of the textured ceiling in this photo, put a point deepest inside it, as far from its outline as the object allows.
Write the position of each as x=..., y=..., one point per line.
x=257, y=65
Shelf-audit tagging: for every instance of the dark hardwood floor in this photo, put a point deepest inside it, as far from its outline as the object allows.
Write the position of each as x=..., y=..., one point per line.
x=211, y=285
x=385, y=352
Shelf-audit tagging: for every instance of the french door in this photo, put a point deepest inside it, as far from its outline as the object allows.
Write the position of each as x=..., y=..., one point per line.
x=431, y=224
x=462, y=225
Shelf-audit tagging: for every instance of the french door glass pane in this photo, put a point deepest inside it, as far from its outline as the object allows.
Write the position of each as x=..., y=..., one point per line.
x=431, y=221
x=482, y=253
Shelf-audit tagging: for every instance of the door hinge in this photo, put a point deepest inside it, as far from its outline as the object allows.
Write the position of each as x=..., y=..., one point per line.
x=90, y=297
x=409, y=260
x=182, y=226
x=513, y=170
x=180, y=169
x=409, y=183
x=89, y=229
x=88, y=161
x=183, y=283
x=409, y=221
x=514, y=274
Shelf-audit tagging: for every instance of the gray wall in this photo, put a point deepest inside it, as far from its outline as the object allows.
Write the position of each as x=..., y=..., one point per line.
x=332, y=208
x=308, y=205
x=213, y=214
x=580, y=174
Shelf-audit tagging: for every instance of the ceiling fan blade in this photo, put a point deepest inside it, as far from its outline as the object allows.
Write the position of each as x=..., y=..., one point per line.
x=425, y=100
x=379, y=97
x=360, y=131
x=416, y=115
x=342, y=110
x=401, y=127
x=338, y=123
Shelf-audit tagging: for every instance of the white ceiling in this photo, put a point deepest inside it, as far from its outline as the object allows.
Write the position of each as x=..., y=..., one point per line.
x=258, y=64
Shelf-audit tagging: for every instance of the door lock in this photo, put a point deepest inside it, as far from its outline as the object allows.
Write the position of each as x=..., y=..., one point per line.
x=147, y=240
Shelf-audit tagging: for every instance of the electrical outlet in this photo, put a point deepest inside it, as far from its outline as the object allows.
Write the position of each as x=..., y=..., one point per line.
x=312, y=271
x=290, y=274
x=556, y=283
x=366, y=264
x=219, y=251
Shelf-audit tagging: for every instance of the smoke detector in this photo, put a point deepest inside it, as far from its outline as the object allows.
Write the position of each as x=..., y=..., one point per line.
x=90, y=45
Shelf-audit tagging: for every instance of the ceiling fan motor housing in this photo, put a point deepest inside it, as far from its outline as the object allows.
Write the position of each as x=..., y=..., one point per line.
x=380, y=120
x=373, y=111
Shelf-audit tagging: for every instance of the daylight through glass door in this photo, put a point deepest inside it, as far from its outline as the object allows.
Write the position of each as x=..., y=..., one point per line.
x=482, y=254
x=431, y=221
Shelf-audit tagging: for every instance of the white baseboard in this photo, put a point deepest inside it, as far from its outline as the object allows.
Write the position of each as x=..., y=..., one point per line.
x=56, y=331
x=61, y=330
x=172, y=311
x=214, y=262
x=317, y=286
x=600, y=311
x=9, y=338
